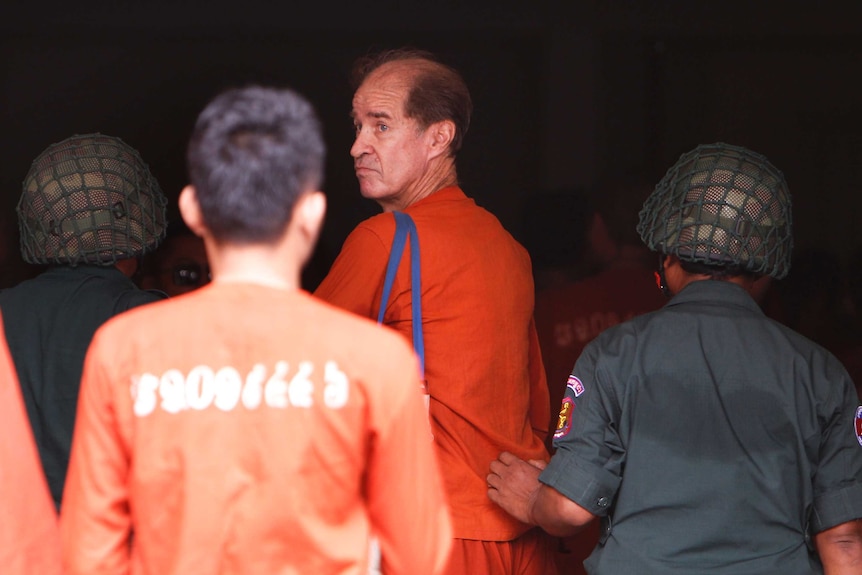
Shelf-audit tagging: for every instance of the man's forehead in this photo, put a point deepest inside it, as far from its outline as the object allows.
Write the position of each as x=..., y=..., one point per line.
x=380, y=97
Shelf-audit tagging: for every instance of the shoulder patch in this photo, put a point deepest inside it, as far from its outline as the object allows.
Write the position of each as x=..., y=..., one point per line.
x=858, y=424
x=564, y=421
x=575, y=385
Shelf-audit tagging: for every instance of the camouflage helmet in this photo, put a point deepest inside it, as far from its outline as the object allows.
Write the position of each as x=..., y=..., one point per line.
x=721, y=205
x=90, y=199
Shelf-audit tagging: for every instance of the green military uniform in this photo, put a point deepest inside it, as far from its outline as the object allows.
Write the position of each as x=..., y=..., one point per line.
x=715, y=439
x=49, y=322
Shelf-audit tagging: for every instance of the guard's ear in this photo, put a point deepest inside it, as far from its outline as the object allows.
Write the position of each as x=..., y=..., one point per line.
x=440, y=136
x=190, y=210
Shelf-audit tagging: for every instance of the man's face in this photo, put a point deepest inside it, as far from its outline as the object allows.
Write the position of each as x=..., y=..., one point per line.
x=182, y=265
x=390, y=153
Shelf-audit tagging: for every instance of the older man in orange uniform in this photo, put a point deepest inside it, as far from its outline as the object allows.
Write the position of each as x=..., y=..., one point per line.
x=483, y=368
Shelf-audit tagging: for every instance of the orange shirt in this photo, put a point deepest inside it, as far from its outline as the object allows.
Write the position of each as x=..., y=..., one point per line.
x=247, y=429
x=29, y=539
x=483, y=366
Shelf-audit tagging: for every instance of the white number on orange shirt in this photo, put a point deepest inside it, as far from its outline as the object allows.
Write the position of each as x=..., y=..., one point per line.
x=202, y=387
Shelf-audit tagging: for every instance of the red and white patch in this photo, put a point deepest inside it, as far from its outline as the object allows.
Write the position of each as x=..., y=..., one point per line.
x=575, y=385
x=564, y=421
x=858, y=424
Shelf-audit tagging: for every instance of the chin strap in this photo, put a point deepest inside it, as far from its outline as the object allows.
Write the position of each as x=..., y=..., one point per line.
x=660, y=280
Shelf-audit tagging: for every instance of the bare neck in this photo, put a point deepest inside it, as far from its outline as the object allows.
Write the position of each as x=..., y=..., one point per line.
x=441, y=174
x=259, y=264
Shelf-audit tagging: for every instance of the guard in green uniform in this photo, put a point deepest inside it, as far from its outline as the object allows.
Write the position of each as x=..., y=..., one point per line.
x=709, y=438
x=89, y=208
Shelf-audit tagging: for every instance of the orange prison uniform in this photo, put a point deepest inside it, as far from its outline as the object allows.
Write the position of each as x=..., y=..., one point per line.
x=29, y=539
x=567, y=318
x=483, y=366
x=249, y=429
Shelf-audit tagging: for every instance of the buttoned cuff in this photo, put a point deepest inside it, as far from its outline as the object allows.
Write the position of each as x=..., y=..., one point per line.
x=590, y=486
x=836, y=507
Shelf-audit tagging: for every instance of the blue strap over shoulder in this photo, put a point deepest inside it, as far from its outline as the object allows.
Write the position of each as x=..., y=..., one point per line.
x=404, y=228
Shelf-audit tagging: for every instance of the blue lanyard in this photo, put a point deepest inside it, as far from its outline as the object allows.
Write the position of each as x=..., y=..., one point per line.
x=405, y=227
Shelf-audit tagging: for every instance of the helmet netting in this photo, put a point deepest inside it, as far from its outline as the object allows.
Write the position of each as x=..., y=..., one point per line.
x=722, y=205
x=90, y=199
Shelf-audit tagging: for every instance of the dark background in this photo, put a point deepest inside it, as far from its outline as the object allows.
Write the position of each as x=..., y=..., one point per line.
x=566, y=94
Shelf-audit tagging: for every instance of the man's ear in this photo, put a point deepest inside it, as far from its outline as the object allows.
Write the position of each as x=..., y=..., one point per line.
x=670, y=261
x=190, y=210
x=308, y=214
x=441, y=135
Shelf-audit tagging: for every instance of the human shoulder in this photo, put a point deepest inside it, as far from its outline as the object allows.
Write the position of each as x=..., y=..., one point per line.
x=623, y=341
x=135, y=297
x=374, y=233
x=379, y=225
x=353, y=330
x=132, y=309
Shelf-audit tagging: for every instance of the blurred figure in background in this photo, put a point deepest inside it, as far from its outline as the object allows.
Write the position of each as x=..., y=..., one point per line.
x=617, y=283
x=556, y=232
x=179, y=266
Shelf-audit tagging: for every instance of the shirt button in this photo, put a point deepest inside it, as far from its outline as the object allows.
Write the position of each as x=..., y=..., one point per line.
x=603, y=502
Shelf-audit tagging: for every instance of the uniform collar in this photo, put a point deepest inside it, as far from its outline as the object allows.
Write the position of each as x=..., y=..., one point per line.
x=715, y=291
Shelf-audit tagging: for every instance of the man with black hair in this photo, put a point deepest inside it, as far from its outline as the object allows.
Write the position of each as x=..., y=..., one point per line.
x=708, y=437
x=247, y=427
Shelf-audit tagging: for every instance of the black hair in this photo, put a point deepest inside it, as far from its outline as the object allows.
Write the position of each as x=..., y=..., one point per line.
x=717, y=271
x=252, y=153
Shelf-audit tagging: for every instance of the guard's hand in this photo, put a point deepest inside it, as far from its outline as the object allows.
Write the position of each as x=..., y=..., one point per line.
x=513, y=484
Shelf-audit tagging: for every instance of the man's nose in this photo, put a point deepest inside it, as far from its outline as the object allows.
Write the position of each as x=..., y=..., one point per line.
x=360, y=145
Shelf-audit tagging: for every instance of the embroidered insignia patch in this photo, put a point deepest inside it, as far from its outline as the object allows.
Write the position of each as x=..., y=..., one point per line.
x=858, y=424
x=564, y=421
x=575, y=385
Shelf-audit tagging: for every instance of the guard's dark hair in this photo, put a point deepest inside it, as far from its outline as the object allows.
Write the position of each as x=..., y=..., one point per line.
x=252, y=153
x=438, y=91
x=717, y=272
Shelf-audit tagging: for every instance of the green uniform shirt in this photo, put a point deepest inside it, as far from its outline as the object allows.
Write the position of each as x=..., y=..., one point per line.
x=49, y=321
x=714, y=439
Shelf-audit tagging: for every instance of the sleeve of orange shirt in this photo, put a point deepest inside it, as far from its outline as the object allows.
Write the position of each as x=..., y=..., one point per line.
x=95, y=525
x=29, y=539
x=406, y=500
x=355, y=280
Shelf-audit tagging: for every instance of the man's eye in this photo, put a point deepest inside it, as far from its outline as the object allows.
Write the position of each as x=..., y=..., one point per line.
x=357, y=128
x=382, y=127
